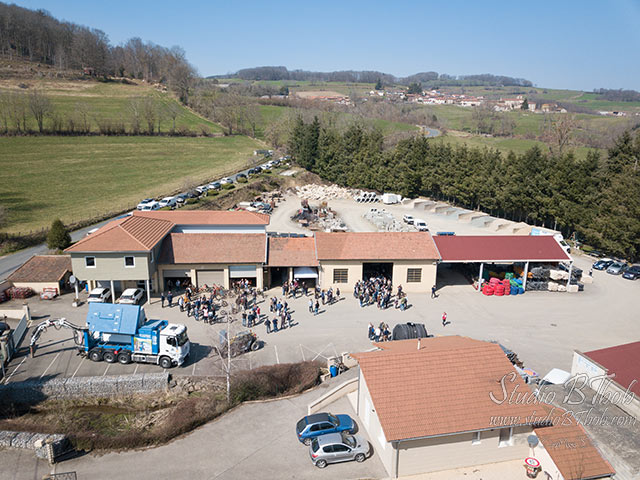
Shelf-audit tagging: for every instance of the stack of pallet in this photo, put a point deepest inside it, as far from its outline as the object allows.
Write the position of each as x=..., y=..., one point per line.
x=20, y=292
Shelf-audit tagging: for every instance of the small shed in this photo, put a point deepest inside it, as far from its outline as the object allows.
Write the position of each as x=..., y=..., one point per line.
x=42, y=272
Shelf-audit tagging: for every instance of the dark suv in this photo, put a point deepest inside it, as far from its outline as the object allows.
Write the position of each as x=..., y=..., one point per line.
x=632, y=272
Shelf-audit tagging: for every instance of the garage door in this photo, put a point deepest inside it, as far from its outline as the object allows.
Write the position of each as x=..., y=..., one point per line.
x=242, y=271
x=210, y=277
x=176, y=273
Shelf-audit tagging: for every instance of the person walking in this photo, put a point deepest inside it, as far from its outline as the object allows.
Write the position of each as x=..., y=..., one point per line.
x=170, y=299
x=267, y=323
x=316, y=308
x=181, y=303
x=275, y=324
x=444, y=319
x=162, y=299
x=433, y=292
x=310, y=305
x=337, y=294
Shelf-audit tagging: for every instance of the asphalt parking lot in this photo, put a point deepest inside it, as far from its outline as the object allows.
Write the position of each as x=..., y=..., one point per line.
x=543, y=328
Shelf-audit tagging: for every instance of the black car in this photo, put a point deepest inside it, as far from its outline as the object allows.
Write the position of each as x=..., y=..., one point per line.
x=602, y=264
x=632, y=272
x=252, y=171
x=240, y=175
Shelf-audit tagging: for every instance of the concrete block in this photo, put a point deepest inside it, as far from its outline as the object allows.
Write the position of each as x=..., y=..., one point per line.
x=586, y=278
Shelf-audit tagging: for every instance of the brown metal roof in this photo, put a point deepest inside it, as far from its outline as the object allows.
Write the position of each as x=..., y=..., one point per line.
x=623, y=361
x=207, y=217
x=571, y=449
x=292, y=252
x=129, y=234
x=42, y=268
x=507, y=248
x=376, y=246
x=214, y=248
x=442, y=388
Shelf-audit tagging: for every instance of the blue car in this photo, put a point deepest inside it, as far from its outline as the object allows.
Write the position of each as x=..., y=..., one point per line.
x=318, y=424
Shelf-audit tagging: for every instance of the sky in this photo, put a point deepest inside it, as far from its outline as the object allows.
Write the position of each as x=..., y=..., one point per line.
x=556, y=44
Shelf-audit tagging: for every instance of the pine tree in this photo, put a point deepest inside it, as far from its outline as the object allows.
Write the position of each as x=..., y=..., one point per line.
x=379, y=85
x=525, y=105
x=58, y=237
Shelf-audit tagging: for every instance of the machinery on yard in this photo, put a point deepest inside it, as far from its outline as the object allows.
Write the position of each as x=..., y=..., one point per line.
x=239, y=343
x=121, y=333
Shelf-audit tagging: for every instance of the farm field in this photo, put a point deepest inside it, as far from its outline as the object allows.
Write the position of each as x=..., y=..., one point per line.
x=110, y=101
x=79, y=178
x=306, y=85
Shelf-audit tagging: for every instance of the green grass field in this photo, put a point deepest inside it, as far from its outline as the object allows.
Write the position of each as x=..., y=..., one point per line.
x=78, y=178
x=113, y=101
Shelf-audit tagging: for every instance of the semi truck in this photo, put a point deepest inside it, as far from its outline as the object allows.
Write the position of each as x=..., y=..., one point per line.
x=121, y=333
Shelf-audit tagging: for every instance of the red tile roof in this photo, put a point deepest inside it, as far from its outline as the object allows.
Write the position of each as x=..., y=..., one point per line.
x=292, y=252
x=207, y=217
x=214, y=248
x=376, y=246
x=42, y=268
x=443, y=388
x=571, y=449
x=129, y=234
x=486, y=248
x=623, y=361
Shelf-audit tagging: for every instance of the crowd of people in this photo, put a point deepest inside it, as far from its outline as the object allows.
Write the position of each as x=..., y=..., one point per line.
x=379, y=291
x=381, y=333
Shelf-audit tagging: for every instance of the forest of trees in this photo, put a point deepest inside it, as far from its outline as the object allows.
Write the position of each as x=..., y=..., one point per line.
x=597, y=198
x=618, y=95
x=39, y=37
x=427, y=79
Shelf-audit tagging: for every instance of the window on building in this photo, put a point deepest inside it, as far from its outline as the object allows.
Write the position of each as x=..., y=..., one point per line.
x=476, y=438
x=414, y=275
x=340, y=275
x=506, y=437
x=90, y=262
x=129, y=261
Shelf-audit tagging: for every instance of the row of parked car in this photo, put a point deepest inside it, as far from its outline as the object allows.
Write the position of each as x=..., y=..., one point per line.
x=616, y=267
x=131, y=296
x=149, y=204
x=421, y=225
x=332, y=439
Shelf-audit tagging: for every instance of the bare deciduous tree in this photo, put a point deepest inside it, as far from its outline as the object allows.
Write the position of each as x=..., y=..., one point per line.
x=40, y=107
x=560, y=131
x=135, y=109
x=173, y=110
x=149, y=112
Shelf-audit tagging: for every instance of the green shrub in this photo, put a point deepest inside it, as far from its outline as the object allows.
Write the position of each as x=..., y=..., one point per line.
x=58, y=237
x=267, y=171
x=228, y=186
x=191, y=201
x=242, y=180
x=165, y=208
x=212, y=193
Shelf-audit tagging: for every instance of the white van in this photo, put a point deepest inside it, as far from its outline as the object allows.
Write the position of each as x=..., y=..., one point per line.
x=421, y=225
x=408, y=219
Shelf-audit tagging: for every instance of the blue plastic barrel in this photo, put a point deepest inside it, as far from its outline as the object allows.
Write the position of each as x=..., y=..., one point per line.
x=334, y=370
x=520, y=291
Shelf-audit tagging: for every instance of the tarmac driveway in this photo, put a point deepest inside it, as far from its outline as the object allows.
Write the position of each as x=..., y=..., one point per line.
x=255, y=440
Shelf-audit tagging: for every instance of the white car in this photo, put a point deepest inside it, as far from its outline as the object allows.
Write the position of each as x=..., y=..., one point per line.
x=226, y=180
x=421, y=225
x=144, y=202
x=153, y=205
x=408, y=219
x=99, y=295
x=202, y=189
x=131, y=296
x=167, y=202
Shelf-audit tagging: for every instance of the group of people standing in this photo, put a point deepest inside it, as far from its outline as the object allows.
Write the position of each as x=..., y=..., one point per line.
x=282, y=315
x=381, y=333
x=379, y=291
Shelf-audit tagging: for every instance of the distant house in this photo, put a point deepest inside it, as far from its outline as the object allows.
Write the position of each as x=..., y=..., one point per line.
x=438, y=403
x=42, y=272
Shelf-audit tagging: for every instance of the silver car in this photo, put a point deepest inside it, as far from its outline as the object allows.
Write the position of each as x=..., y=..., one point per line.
x=338, y=447
x=616, y=268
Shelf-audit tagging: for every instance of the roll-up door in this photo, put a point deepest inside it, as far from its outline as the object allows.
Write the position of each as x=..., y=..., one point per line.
x=242, y=271
x=210, y=277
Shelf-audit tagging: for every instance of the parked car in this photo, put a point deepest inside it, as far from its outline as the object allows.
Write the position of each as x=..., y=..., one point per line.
x=182, y=198
x=167, y=202
x=202, y=189
x=252, y=171
x=602, y=264
x=421, y=225
x=99, y=295
x=131, y=296
x=144, y=202
x=616, y=268
x=226, y=180
x=215, y=186
x=318, y=424
x=240, y=175
x=338, y=447
x=408, y=219
x=153, y=205
x=632, y=272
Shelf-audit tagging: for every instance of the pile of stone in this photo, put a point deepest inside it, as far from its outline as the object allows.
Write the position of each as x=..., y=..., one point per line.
x=385, y=221
x=324, y=192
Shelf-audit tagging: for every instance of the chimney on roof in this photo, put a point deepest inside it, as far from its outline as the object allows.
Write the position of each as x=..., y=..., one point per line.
x=419, y=343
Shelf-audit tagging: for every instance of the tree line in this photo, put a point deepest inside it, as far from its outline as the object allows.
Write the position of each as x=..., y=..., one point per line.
x=33, y=112
x=430, y=79
x=597, y=198
x=618, y=95
x=39, y=37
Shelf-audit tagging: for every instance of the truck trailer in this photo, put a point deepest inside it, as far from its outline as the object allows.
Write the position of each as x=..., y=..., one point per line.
x=121, y=333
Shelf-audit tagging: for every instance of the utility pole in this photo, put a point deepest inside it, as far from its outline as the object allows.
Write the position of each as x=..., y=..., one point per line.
x=228, y=359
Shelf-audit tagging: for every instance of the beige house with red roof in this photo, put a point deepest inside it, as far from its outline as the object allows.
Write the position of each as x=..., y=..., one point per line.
x=408, y=258
x=448, y=402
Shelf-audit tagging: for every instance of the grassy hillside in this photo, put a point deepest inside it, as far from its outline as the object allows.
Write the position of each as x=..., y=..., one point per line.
x=78, y=178
x=109, y=100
